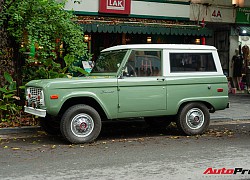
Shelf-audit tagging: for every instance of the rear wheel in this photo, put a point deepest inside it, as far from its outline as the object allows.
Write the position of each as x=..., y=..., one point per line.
x=193, y=118
x=80, y=124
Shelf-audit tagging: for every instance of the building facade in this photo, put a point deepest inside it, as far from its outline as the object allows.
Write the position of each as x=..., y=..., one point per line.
x=229, y=20
x=112, y=22
x=213, y=22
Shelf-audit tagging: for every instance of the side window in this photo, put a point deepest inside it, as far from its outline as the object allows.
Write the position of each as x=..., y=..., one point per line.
x=200, y=62
x=143, y=64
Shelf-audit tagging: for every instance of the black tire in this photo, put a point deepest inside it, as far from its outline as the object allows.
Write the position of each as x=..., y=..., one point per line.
x=193, y=118
x=50, y=124
x=80, y=124
x=158, y=122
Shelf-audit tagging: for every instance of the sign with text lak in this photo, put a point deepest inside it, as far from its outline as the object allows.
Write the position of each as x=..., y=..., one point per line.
x=115, y=6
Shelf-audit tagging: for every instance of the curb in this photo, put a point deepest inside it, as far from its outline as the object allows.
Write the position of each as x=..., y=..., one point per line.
x=29, y=131
x=16, y=130
x=243, y=118
x=218, y=122
x=34, y=129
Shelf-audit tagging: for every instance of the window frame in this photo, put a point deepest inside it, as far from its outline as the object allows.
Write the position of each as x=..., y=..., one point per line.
x=167, y=69
x=193, y=64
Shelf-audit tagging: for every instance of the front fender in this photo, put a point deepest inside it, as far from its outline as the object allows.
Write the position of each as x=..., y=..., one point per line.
x=54, y=105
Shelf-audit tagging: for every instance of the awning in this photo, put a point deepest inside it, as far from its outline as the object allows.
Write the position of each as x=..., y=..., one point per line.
x=104, y=28
x=136, y=26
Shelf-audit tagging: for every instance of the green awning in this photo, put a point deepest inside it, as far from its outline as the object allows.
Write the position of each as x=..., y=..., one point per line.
x=146, y=29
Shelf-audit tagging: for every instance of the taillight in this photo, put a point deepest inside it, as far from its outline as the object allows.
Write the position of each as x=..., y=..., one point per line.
x=220, y=90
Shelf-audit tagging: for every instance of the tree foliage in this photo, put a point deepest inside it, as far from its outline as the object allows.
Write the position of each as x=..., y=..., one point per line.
x=45, y=25
x=8, y=109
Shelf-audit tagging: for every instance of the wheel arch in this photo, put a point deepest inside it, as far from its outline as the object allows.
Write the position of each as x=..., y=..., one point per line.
x=207, y=104
x=83, y=100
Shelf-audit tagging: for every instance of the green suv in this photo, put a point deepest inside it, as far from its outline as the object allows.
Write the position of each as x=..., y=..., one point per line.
x=159, y=82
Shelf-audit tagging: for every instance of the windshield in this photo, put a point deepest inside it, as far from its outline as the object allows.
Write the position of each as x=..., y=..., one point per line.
x=109, y=62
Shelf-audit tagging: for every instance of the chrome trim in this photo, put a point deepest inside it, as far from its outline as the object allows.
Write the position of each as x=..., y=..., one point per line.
x=195, y=118
x=37, y=112
x=34, y=93
x=82, y=125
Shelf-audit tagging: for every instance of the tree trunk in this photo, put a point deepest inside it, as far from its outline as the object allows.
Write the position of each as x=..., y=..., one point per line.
x=6, y=51
x=10, y=59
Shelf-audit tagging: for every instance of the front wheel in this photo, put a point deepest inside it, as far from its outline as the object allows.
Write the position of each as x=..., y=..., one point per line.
x=193, y=118
x=80, y=124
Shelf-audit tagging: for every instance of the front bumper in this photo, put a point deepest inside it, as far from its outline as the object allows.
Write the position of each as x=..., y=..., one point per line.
x=34, y=111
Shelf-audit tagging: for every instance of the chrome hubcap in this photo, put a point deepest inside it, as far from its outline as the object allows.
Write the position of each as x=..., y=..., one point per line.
x=195, y=118
x=82, y=125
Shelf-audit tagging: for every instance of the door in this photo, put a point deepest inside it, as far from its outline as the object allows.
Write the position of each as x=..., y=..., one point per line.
x=142, y=88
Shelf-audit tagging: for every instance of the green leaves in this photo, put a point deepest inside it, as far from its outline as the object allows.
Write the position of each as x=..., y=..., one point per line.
x=43, y=25
x=8, y=77
x=46, y=34
x=7, y=98
x=3, y=90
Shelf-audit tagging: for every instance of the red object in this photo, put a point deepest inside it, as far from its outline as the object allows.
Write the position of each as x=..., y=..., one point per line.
x=54, y=96
x=115, y=6
x=233, y=90
x=220, y=90
x=203, y=39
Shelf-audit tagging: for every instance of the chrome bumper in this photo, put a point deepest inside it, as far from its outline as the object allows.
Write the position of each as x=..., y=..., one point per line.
x=37, y=112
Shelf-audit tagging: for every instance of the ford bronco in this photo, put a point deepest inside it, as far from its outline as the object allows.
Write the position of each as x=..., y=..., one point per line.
x=159, y=82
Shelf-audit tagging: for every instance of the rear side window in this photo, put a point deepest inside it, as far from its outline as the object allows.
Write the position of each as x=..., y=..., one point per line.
x=194, y=62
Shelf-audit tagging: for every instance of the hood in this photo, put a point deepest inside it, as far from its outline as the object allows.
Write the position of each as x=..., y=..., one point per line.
x=74, y=82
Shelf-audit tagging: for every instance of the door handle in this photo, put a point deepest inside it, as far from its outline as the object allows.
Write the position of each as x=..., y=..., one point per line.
x=160, y=79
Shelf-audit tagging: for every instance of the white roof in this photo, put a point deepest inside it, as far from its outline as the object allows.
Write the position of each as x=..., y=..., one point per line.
x=161, y=46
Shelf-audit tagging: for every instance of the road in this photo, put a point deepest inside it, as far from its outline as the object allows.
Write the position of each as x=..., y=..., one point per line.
x=130, y=151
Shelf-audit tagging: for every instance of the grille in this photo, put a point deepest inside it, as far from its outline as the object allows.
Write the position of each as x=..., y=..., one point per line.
x=36, y=96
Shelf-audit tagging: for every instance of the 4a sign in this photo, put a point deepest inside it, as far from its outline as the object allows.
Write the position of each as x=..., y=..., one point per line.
x=243, y=16
x=216, y=15
x=115, y=6
x=212, y=13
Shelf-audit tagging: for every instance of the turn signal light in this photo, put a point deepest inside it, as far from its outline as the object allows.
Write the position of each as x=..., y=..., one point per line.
x=54, y=96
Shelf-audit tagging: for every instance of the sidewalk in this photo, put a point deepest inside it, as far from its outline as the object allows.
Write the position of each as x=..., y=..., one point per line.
x=239, y=109
x=238, y=112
